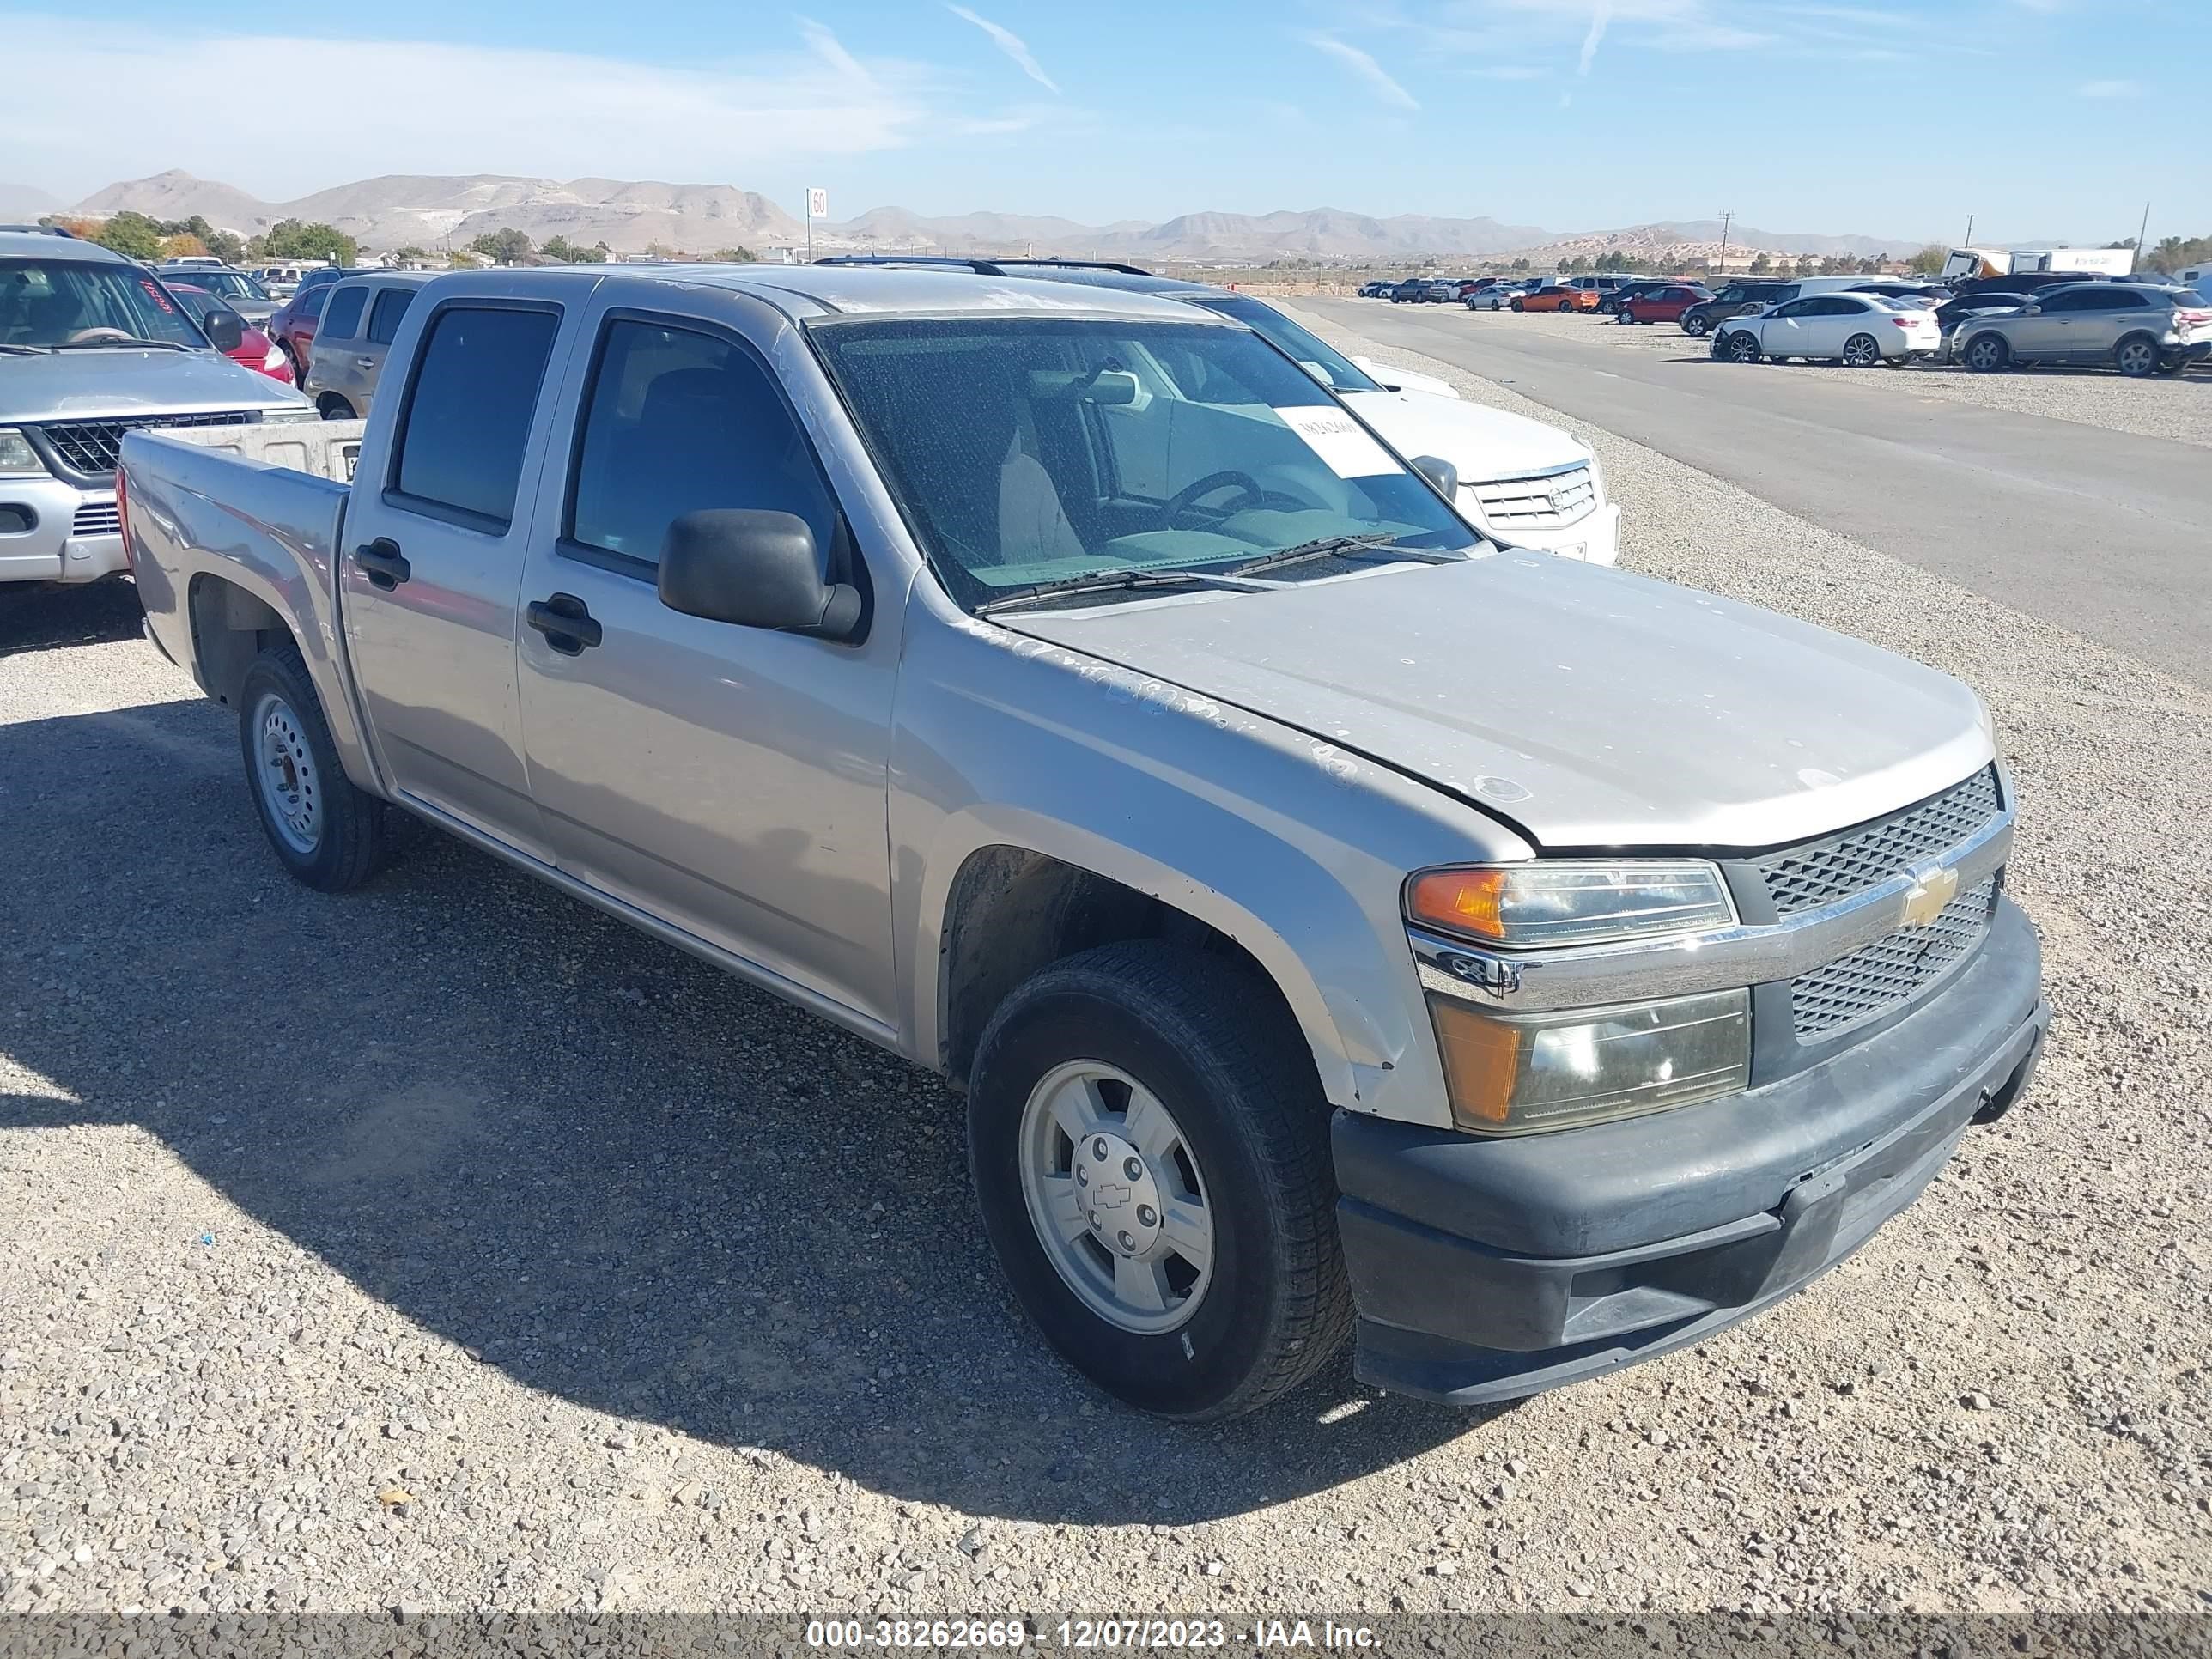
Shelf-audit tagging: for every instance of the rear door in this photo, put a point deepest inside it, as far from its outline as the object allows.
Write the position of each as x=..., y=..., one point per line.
x=432, y=571
x=385, y=312
x=337, y=368
x=730, y=780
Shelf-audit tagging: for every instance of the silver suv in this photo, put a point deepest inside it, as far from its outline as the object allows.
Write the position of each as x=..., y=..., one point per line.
x=2138, y=328
x=357, y=329
x=90, y=346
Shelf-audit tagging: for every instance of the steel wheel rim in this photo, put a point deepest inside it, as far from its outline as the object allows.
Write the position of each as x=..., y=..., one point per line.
x=1099, y=1154
x=1860, y=351
x=284, y=773
x=2135, y=357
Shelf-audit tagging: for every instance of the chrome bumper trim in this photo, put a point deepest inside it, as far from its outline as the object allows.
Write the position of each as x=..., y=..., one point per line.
x=1538, y=982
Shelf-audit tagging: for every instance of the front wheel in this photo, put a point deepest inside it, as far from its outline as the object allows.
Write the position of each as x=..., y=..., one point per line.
x=329, y=834
x=1986, y=352
x=1862, y=351
x=1151, y=1154
x=1742, y=347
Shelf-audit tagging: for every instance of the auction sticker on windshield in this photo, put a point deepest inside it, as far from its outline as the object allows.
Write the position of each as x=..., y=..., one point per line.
x=1341, y=442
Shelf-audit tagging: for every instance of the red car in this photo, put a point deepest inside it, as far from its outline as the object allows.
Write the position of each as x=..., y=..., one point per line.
x=1666, y=305
x=255, y=349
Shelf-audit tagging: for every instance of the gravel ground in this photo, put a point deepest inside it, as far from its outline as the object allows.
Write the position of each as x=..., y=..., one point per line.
x=447, y=1246
x=2175, y=407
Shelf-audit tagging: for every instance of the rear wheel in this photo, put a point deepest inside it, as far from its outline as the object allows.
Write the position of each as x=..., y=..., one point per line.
x=1986, y=352
x=1862, y=351
x=1694, y=326
x=329, y=834
x=334, y=407
x=1151, y=1154
x=2136, y=356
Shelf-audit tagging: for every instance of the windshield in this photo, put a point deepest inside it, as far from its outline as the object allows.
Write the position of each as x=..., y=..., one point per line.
x=54, y=302
x=1033, y=450
x=1335, y=370
x=226, y=284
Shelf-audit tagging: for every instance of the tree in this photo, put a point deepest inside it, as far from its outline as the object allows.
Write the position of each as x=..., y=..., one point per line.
x=1761, y=265
x=133, y=235
x=2173, y=253
x=507, y=244
x=1806, y=264
x=408, y=255
x=736, y=255
x=289, y=238
x=1928, y=262
x=182, y=245
x=1520, y=265
x=564, y=252
x=225, y=244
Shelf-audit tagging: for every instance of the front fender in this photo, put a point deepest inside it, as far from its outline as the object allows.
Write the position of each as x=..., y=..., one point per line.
x=1296, y=850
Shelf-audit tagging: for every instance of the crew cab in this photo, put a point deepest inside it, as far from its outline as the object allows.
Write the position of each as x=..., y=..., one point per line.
x=1335, y=922
x=91, y=346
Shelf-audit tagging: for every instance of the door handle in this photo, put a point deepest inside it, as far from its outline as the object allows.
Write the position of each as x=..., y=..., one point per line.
x=383, y=564
x=567, y=625
x=364, y=363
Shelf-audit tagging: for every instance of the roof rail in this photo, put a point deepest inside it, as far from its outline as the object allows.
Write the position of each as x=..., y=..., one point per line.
x=42, y=230
x=1005, y=267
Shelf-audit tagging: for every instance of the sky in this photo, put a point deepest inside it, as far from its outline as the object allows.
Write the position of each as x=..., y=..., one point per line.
x=2039, y=118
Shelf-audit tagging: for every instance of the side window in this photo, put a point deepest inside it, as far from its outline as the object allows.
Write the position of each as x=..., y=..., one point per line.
x=1796, y=309
x=677, y=422
x=467, y=418
x=2081, y=299
x=384, y=316
x=317, y=298
x=342, y=321
x=2121, y=299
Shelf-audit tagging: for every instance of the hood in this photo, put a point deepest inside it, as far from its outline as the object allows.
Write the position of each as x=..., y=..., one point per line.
x=1483, y=443
x=86, y=386
x=1403, y=379
x=1588, y=707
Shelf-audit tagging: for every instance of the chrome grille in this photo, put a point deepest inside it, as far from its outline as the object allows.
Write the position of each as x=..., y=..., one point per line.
x=97, y=518
x=1878, y=977
x=90, y=447
x=1552, y=498
x=1819, y=872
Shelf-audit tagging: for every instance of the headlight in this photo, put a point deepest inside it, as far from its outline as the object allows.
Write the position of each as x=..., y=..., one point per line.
x=17, y=458
x=1571, y=901
x=1524, y=1074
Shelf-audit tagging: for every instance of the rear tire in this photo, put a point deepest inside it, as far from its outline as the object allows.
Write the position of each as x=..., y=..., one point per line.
x=1986, y=353
x=327, y=833
x=1862, y=351
x=335, y=408
x=1696, y=327
x=1196, y=1083
x=2136, y=356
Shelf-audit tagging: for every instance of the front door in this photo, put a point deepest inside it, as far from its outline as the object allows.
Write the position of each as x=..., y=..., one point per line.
x=433, y=562
x=731, y=781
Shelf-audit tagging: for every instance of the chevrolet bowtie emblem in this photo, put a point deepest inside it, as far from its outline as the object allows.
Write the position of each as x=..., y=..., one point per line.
x=1931, y=891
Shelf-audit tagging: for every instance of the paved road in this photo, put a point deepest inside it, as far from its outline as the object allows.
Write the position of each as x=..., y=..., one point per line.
x=2106, y=533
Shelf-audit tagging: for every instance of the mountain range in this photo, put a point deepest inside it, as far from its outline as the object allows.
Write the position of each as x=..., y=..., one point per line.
x=433, y=211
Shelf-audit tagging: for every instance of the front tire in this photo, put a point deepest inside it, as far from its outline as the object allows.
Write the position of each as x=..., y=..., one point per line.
x=327, y=833
x=1197, y=1274
x=1986, y=353
x=1742, y=347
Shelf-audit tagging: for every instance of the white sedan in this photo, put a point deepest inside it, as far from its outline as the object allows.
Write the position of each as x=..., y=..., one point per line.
x=1520, y=482
x=1858, y=330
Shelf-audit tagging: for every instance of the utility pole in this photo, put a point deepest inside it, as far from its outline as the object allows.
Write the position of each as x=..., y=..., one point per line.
x=2142, y=232
x=1727, y=213
x=1969, y=242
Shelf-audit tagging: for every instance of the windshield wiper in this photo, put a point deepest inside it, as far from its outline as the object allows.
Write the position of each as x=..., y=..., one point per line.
x=28, y=351
x=1108, y=581
x=1327, y=545
x=98, y=345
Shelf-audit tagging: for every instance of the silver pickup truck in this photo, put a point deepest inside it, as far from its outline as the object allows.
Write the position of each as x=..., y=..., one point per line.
x=1332, y=920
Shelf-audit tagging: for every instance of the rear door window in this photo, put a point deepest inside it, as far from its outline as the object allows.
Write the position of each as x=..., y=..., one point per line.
x=343, y=320
x=467, y=422
x=384, y=316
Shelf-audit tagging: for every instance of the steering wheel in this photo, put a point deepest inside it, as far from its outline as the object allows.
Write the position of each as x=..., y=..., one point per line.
x=1191, y=494
x=87, y=336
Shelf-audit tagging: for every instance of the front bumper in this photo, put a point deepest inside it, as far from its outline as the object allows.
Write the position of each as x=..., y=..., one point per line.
x=51, y=550
x=1485, y=1270
x=1593, y=538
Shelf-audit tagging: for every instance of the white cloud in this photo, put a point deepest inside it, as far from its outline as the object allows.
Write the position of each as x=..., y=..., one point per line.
x=1362, y=65
x=1010, y=44
x=457, y=108
x=2109, y=89
x=1600, y=15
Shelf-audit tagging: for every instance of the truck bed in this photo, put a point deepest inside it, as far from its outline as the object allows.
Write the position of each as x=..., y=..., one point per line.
x=250, y=520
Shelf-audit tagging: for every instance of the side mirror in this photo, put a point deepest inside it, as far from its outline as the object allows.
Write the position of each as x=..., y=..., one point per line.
x=223, y=329
x=1439, y=472
x=1373, y=370
x=757, y=569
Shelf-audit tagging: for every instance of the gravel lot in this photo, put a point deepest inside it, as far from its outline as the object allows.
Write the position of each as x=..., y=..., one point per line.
x=2175, y=407
x=449, y=1246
